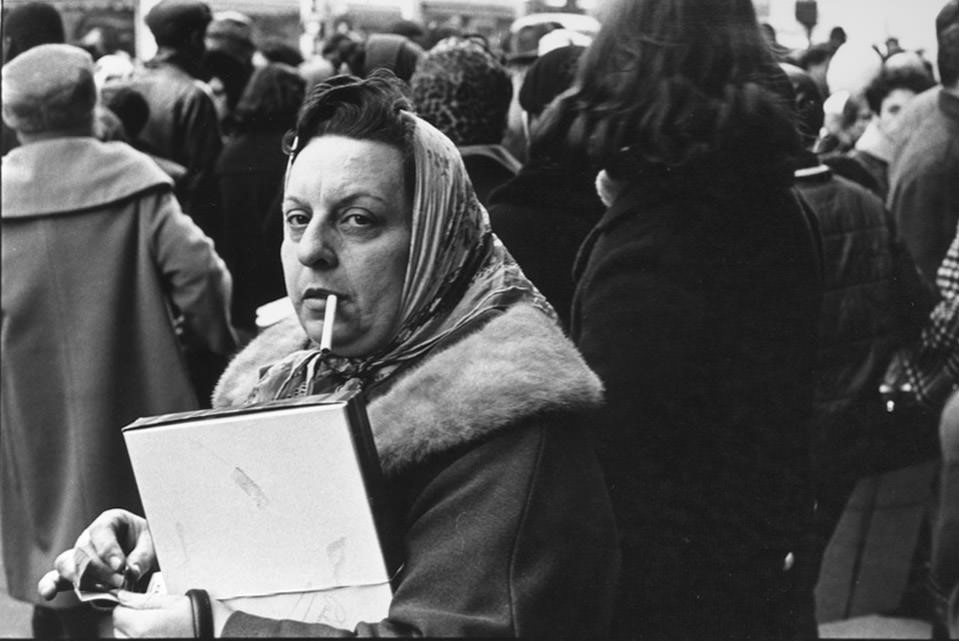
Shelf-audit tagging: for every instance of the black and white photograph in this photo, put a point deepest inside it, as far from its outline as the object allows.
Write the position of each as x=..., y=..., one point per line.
x=560, y=319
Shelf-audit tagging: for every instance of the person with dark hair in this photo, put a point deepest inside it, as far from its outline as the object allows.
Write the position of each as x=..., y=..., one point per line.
x=697, y=299
x=250, y=175
x=24, y=27
x=874, y=302
x=101, y=252
x=544, y=213
x=274, y=50
x=132, y=109
x=183, y=123
x=886, y=96
x=461, y=88
x=409, y=29
x=923, y=190
x=27, y=25
x=477, y=401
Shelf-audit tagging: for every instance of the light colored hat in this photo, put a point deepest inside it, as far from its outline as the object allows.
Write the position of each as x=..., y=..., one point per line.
x=49, y=88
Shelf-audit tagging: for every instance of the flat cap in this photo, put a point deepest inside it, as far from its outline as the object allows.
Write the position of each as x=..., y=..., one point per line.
x=49, y=88
x=171, y=20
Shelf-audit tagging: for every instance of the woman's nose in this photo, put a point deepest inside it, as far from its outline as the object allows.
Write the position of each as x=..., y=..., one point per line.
x=315, y=248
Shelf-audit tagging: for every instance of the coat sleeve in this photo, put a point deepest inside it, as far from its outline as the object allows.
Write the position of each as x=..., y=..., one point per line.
x=200, y=131
x=197, y=280
x=513, y=538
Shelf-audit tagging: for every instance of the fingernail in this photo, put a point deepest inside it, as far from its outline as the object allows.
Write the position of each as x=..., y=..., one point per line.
x=134, y=570
x=116, y=563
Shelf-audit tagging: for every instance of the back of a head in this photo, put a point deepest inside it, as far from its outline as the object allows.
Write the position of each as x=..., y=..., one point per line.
x=669, y=83
x=392, y=52
x=271, y=100
x=49, y=90
x=551, y=74
x=947, y=33
x=462, y=89
x=368, y=109
x=29, y=25
x=808, y=102
x=276, y=50
x=130, y=107
x=231, y=32
x=173, y=22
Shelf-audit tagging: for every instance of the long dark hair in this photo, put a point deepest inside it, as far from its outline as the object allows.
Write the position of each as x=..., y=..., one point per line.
x=678, y=88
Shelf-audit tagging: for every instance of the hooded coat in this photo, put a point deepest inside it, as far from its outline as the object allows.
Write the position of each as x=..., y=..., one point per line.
x=506, y=525
x=94, y=251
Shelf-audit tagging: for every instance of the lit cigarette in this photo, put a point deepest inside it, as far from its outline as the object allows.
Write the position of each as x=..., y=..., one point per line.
x=326, y=339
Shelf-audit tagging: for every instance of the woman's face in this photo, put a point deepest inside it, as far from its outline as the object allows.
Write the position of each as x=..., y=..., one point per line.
x=347, y=218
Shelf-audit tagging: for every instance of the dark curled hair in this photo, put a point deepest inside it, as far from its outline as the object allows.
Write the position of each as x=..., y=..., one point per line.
x=271, y=99
x=885, y=83
x=362, y=109
x=684, y=88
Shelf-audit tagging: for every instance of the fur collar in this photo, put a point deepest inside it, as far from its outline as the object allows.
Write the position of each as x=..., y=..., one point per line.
x=517, y=366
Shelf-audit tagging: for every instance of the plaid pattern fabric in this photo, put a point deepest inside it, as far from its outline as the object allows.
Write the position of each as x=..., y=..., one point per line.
x=932, y=366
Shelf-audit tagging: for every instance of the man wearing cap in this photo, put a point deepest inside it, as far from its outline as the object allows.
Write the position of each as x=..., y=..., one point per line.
x=95, y=254
x=923, y=185
x=183, y=123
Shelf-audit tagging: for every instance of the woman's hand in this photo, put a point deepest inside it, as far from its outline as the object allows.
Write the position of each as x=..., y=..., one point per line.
x=162, y=615
x=116, y=546
x=152, y=615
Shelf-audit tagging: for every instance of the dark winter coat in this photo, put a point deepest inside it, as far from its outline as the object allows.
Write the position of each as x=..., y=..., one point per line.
x=542, y=216
x=873, y=301
x=506, y=524
x=699, y=314
x=250, y=177
x=184, y=128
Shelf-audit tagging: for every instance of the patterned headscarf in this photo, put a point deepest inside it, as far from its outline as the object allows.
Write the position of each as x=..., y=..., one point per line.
x=457, y=271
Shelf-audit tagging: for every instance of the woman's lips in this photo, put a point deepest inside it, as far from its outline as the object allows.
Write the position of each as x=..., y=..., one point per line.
x=314, y=298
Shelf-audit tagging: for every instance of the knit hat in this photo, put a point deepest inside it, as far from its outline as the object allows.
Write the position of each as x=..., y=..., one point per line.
x=29, y=25
x=462, y=90
x=551, y=74
x=49, y=88
x=171, y=21
x=232, y=33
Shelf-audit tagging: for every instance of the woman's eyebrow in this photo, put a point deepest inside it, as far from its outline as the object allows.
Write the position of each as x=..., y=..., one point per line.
x=350, y=198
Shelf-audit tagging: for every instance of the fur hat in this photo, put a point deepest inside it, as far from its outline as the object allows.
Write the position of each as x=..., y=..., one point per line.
x=171, y=21
x=49, y=88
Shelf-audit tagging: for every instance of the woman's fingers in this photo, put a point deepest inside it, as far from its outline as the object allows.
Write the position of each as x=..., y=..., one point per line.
x=52, y=584
x=142, y=558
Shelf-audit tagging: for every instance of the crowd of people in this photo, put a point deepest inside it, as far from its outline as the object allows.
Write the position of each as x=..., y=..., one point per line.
x=624, y=358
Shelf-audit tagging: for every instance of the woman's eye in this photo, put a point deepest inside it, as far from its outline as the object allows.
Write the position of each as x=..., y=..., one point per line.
x=357, y=218
x=297, y=219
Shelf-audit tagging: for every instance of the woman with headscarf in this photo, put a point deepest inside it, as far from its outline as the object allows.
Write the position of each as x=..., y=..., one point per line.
x=474, y=395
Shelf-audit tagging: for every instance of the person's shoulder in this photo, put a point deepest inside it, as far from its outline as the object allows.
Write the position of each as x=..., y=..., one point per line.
x=517, y=365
